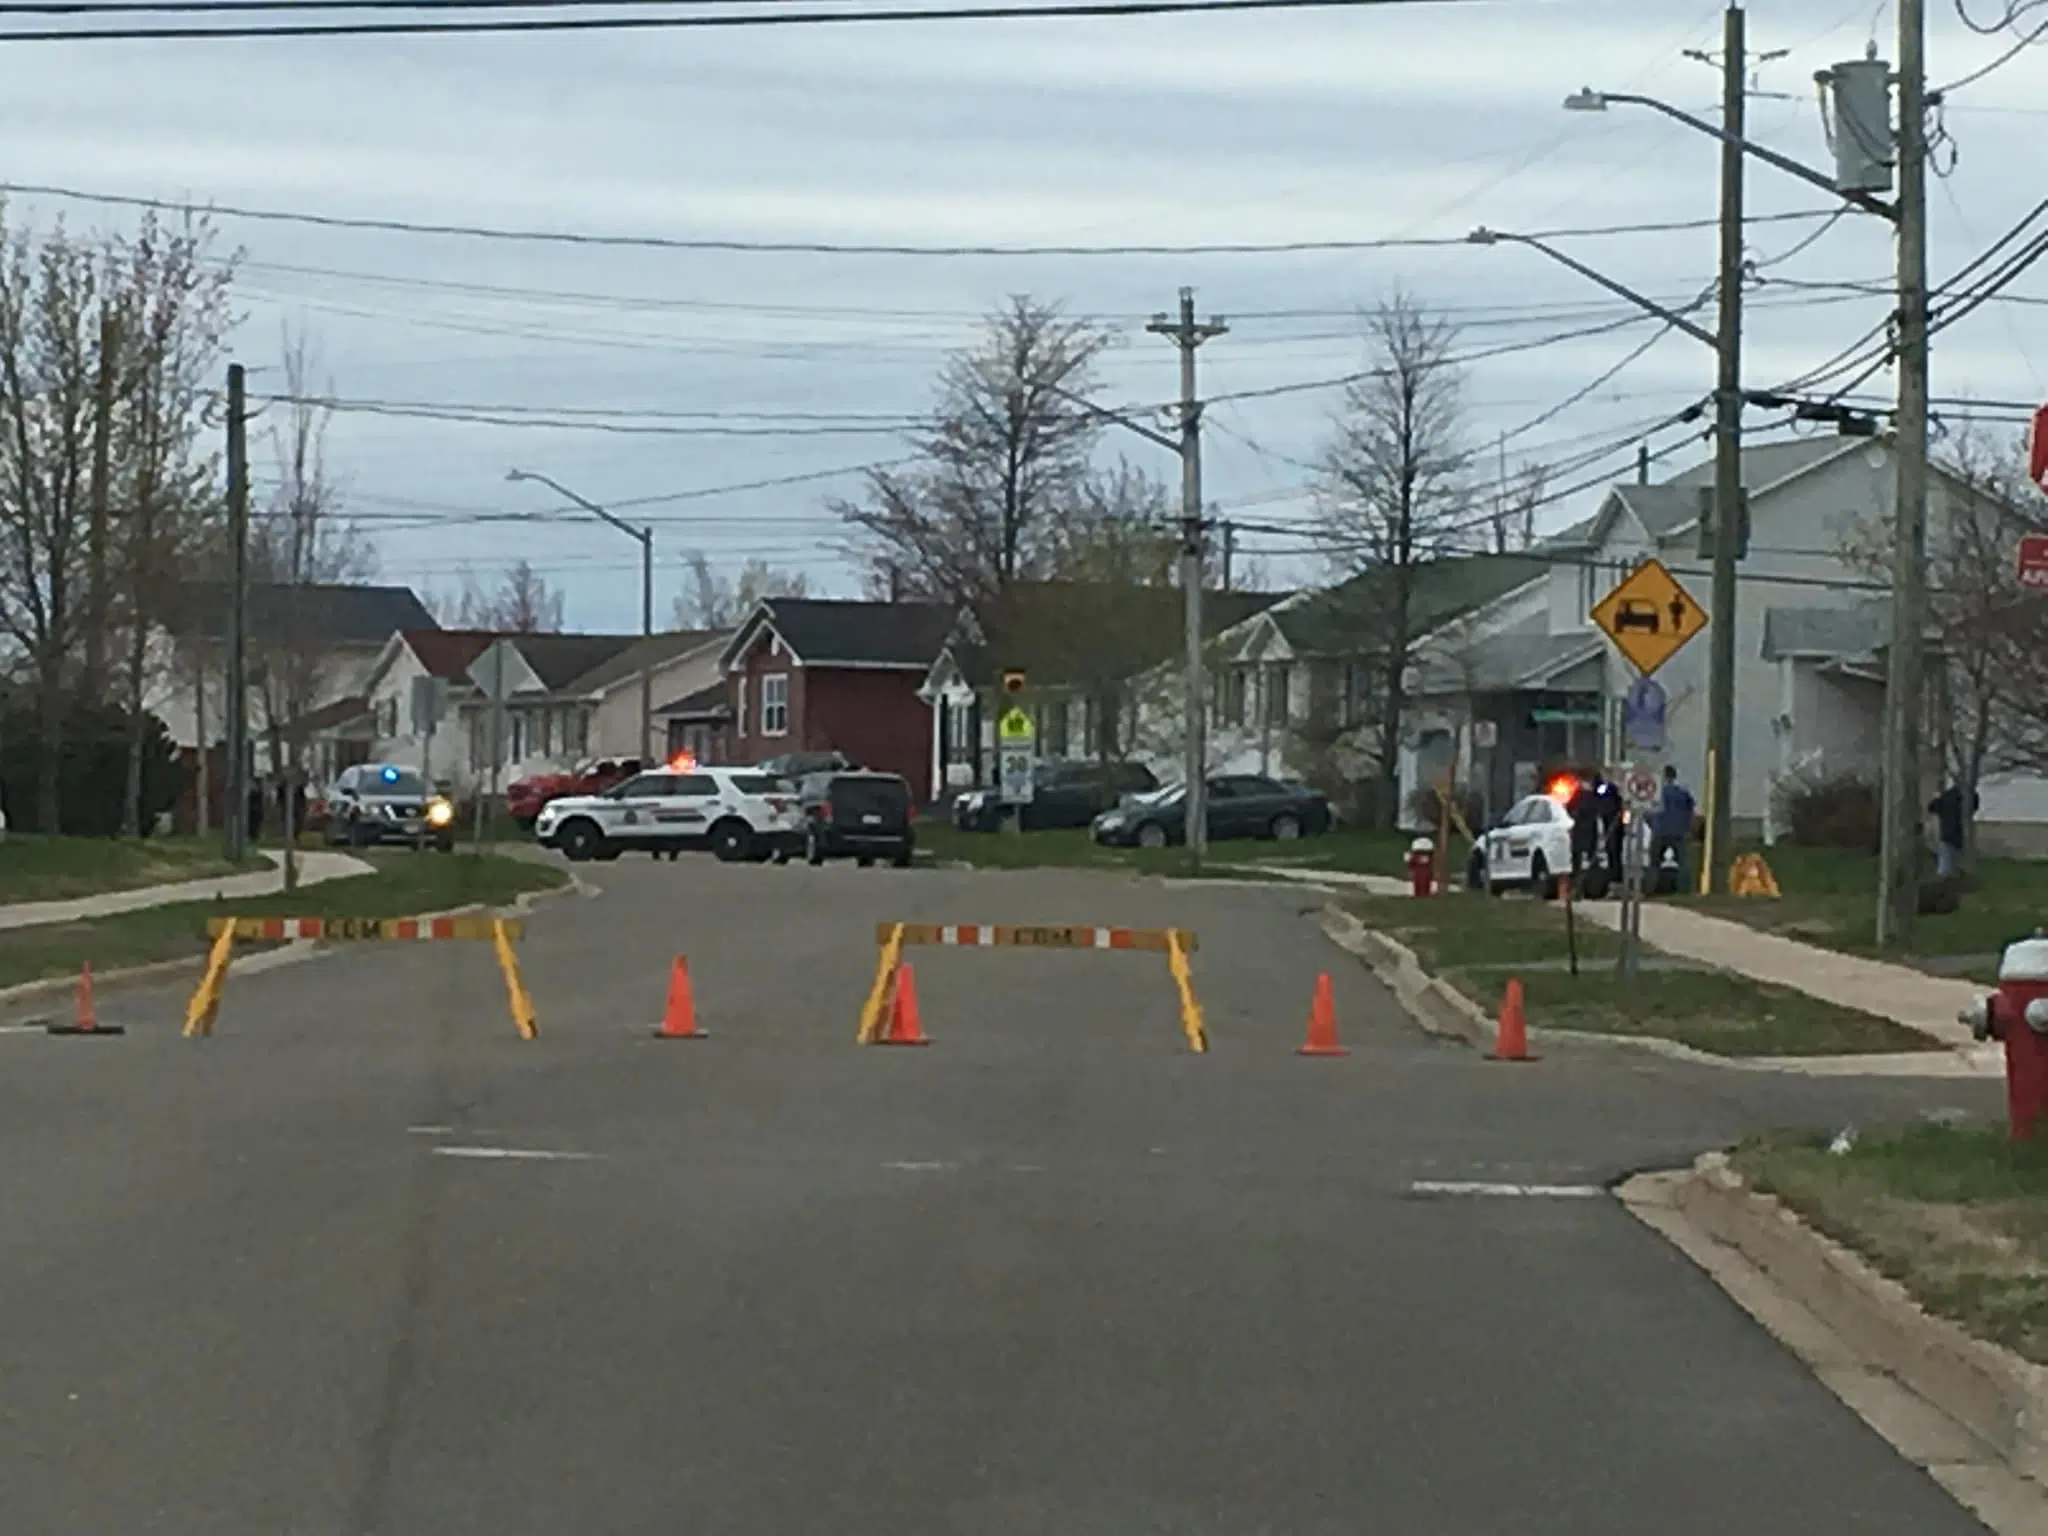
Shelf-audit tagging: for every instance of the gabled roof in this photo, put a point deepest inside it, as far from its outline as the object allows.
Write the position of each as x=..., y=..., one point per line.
x=1507, y=663
x=339, y=712
x=1068, y=632
x=826, y=632
x=559, y=661
x=642, y=654
x=447, y=652
x=1673, y=505
x=1345, y=619
x=328, y=613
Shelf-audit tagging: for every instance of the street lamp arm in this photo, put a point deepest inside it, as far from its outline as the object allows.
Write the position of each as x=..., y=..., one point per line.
x=1103, y=413
x=1594, y=101
x=644, y=535
x=1671, y=317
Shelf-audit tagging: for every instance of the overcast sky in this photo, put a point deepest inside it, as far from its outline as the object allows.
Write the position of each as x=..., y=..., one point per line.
x=1408, y=121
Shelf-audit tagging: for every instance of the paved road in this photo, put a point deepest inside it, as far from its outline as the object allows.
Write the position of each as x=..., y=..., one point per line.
x=1054, y=1275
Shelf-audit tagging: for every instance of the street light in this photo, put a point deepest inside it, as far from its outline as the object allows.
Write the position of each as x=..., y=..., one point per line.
x=1484, y=236
x=645, y=537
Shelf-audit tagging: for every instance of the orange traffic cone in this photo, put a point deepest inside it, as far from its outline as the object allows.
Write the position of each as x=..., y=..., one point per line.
x=1511, y=1040
x=1322, y=1023
x=679, y=1018
x=85, y=1018
x=904, y=1028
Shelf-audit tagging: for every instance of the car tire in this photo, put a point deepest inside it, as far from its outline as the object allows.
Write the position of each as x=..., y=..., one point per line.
x=1151, y=835
x=814, y=849
x=1542, y=884
x=864, y=860
x=903, y=857
x=731, y=841
x=580, y=841
x=1286, y=827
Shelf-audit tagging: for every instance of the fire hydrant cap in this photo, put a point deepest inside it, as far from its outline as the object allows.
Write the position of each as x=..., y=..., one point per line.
x=1424, y=845
x=2024, y=960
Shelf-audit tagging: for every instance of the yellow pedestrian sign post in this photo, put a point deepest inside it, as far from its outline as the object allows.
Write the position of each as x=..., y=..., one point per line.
x=1015, y=725
x=1649, y=616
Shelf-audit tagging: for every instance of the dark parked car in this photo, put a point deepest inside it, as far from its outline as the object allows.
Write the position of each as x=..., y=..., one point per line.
x=795, y=766
x=1064, y=794
x=1240, y=805
x=858, y=815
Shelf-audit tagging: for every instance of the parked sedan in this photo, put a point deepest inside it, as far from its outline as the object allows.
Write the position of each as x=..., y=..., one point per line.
x=1063, y=794
x=1240, y=805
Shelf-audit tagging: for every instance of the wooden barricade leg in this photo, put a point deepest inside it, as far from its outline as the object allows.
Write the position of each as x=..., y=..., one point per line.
x=1184, y=981
x=878, y=995
x=204, y=1007
x=523, y=1017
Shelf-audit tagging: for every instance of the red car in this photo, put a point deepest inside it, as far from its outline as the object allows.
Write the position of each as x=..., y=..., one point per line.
x=525, y=797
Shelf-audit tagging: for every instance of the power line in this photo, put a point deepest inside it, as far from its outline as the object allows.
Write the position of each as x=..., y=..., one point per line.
x=837, y=248
x=696, y=21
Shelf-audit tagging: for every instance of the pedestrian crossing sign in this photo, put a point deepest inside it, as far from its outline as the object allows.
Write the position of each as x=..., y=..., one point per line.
x=1015, y=725
x=1649, y=616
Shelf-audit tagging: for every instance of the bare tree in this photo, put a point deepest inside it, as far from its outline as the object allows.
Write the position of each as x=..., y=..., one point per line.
x=104, y=345
x=301, y=539
x=1516, y=499
x=522, y=603
x=1006, y=455
x=1992, y=683
x=712, y=600
x=1393, y=489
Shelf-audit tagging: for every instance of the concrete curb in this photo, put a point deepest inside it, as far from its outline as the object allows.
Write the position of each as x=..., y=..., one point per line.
x=1868, y=1340
x=1441, y=1009
x=294, y=952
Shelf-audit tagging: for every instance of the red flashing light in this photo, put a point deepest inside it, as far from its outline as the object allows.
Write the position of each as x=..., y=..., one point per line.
x=1561, y=788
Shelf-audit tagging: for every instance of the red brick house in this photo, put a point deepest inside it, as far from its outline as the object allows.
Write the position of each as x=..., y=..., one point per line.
x=819, y=675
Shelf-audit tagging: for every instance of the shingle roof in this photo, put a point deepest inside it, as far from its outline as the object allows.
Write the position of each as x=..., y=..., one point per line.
x=1673, y=504
x=332, y=613
x=824, y=631
x=561, y=660
x=650, y=651
x=1859, y=630
x=448, y=652
x=1765, y=464
x=709, y=703
x=1349, y=617
x=1509, y=662
x=1065, y=632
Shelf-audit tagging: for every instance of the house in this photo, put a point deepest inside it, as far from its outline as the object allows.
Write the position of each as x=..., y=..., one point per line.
x=310, y=653
x=1080, y=646
x=818, y=674
x=569, y=696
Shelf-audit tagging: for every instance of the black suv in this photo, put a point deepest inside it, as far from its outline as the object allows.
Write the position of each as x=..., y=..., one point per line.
x=1064, y=794
x=857, y=815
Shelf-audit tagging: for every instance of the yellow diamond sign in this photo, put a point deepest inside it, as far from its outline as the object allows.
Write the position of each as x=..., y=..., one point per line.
x=1015, y=725
x=1649, y=616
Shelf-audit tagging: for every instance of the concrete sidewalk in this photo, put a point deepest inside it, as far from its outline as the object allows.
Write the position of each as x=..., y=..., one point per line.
x=315, y=868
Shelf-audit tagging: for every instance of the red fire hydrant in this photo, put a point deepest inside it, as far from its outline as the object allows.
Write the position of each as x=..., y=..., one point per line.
x=2017, y=1015
x=1422, y=866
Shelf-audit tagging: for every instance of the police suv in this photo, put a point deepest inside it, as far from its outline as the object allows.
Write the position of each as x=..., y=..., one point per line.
x=738, y=813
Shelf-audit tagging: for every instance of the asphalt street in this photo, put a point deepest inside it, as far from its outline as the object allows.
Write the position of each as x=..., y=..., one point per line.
x=1055, y=1274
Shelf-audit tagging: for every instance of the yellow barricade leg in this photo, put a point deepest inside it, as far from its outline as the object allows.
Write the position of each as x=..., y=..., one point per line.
x=1183, y=979
x=204, y=1007
x=878, y=994
x=523, y=1017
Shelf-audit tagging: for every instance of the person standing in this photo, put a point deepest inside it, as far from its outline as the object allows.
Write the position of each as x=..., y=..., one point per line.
x=1949, y=827
x=1671, y=826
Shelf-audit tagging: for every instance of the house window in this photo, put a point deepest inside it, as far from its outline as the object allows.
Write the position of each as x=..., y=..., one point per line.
x=1357, y=692
x=739, y=720
x=1053, y=728
x=387, y=717
x=579, y=733
x=775, y=704
x=1236, y=689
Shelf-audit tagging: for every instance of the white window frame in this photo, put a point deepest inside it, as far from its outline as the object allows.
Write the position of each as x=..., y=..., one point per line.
x=739, y=724
x=775, y=704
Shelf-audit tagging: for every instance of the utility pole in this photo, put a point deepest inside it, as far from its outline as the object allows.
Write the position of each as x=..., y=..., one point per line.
x=1188, y=335
x=1727, y=460
x=98, y=608
x=1229, y=551
x=235, y=790
x=1899, y=891
x=647, y=634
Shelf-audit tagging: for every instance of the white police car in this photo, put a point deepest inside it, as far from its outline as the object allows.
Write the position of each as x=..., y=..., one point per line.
x=738, y=813
x=1529, y=847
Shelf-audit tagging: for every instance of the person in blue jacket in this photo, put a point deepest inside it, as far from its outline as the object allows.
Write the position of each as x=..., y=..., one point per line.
x=1671, y=825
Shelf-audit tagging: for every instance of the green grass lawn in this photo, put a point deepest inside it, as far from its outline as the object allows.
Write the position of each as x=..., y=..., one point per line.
x=404, y=885
x=1830, y=899
x=35, y=868
x=1476, y=942
x=1958, y=1214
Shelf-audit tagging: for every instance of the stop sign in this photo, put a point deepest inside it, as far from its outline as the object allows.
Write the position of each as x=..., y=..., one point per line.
x=2037, y=449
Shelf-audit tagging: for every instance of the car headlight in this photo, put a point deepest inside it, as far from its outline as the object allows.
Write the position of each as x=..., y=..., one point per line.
x=440, y=813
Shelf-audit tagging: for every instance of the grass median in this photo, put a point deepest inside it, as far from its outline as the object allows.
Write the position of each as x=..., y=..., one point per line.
x=405, y=884
x=1476, y=943
x=1958, y=1214
x=34, y=868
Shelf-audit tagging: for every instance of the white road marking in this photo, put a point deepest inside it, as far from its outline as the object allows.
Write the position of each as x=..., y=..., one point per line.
x=1506, y=1191
x=430, y=1130
x=33, y=1027
x=921, y=1167
x=520, y=1154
